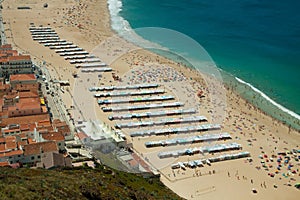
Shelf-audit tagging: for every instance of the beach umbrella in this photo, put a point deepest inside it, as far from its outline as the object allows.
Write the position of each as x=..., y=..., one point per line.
x=286, y=161
x=254, y=190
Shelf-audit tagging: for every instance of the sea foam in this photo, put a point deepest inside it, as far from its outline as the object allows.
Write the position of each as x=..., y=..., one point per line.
x=269, y=99
x=118, y=23
x=122, y=27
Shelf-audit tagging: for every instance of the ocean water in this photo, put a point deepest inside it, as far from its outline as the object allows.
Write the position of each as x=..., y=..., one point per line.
x=256, y=43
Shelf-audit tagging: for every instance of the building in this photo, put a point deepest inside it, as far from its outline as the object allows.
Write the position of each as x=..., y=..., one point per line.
x=10, y=150
x=25, y=106
x=23, y=79
x=52, y=160
x=21, y=97
x=98, y=135
x=13, y=63
x=28, y=136
x=58, y=137
x=33, y=152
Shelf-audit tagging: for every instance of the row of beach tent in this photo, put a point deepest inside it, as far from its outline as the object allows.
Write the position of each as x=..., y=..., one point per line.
x=135, y=100
x=123, y=87
x=189, y=140
x=179, y=130
x=129, y=93
x=196, y=150
x=142, y=107
x=151, y=114
x=49, y=38
x=208, y=161
x=164, y=121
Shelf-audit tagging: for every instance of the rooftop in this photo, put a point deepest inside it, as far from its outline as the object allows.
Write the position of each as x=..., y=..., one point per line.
x=55, y=136
x=41, y=147
x=19, y=57
x=4, y=164
x=27, y=127
x=24, y=119
x=11, y=145
x=2, y=147
x=28, y=94
x=22, y=77
x=26, y=86
x=26, y=103
x=11, y=153
x=6, y=46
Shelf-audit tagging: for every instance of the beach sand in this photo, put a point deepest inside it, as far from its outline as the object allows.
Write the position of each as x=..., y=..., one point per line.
x=87, y=24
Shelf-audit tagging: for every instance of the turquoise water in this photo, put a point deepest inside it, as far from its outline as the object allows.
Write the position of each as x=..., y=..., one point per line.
x=257, y=41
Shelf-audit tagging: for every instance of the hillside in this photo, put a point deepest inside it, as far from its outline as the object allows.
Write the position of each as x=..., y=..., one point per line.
x=79, y=183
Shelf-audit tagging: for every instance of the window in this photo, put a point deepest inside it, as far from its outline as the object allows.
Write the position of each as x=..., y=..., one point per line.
x=39, y=156
x=32, y=157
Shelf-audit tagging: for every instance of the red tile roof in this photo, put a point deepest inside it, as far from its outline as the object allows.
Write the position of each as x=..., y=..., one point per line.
x=2, y=147
x=22, y=77
x=29, y=94
x=4, y=86
x=3, y=60
x=44, y=123
x=55, y=136
x=6, y=53
x=19, y=57
x=11, y=95
x=28, y=103
x=4, y=164
x=6, y=46
x=24, y=119
x=11, y=153
x=10, y=138
x=41, y=147
x=22, y=143
x=11, y=145
x=27, y=127
x=26, y=86
x=31, y=141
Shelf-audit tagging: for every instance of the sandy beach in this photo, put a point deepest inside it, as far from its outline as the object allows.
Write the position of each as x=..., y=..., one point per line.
x=86, y=23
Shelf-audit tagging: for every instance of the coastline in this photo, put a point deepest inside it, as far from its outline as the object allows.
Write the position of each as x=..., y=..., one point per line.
x=248, y=91
x=236, y=105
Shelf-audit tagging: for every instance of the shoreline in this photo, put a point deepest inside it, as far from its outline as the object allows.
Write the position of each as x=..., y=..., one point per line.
x=265, y=103
x=243, y=115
